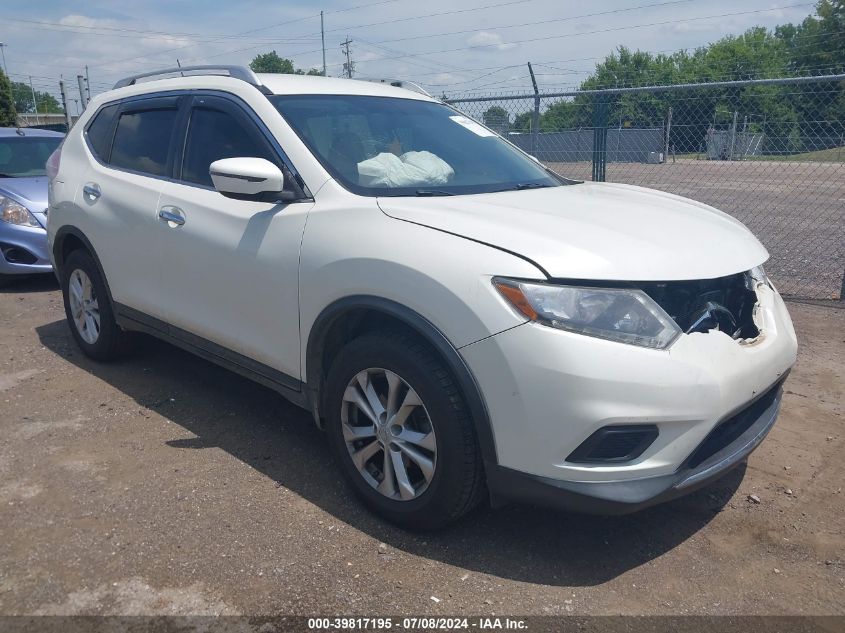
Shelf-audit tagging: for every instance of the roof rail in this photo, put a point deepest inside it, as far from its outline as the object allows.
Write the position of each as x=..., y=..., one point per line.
x=237, y=72
x=398, y=83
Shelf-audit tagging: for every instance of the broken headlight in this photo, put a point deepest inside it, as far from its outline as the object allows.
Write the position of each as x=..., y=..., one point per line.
x=626, y=315
x=756, y=276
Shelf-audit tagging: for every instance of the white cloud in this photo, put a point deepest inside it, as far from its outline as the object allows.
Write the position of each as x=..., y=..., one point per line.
x=85, y=21
x=489, y=41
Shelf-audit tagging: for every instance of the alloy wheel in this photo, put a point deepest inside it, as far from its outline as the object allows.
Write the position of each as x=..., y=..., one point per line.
x=389, y=434
x=84, y=306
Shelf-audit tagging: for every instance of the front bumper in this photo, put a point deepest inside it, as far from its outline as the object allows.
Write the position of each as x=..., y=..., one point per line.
x=623, y=497
x=548, y=390
x=17, y=243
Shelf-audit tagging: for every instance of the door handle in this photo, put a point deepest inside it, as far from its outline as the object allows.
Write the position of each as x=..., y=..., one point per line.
x=92, y=191
x=172, y=215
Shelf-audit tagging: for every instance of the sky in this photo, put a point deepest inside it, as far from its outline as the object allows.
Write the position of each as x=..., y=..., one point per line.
x=446, y=46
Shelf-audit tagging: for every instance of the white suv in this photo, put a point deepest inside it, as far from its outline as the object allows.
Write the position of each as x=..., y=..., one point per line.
x=460, y=320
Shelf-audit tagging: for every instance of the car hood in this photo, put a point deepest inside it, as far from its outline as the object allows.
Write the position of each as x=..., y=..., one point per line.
x=30, y=192
x=598, y=231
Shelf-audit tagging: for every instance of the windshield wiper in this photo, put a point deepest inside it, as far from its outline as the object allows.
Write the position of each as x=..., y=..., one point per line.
x=529, y=185
x=425, y=193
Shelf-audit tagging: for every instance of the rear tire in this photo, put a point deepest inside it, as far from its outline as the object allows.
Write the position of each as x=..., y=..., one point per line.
x=88, y=309
x=416, y=460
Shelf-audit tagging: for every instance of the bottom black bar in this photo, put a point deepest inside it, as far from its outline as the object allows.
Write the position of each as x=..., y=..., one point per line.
x=575, y=623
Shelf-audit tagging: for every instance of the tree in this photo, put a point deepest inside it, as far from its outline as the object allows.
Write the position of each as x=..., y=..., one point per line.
x=8, y=114
x=272, y=63
x=522, y=122
x=496, y=118
x=22, y=95
x=780, y=112
x=818, y=43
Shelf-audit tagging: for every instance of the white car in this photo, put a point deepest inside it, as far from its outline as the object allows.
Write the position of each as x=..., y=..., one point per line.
x=461, y=321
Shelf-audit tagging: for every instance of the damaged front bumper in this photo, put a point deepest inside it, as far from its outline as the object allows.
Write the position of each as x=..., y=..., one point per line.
x=547, y=391
x=624, y=497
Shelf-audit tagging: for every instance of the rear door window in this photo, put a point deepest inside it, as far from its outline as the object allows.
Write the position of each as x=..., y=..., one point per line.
x=143, y=137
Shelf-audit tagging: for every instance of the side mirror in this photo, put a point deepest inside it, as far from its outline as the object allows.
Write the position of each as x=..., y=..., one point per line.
x=245, y=178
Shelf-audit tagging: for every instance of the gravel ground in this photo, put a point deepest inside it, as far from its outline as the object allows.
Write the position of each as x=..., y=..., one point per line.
x=165, y=485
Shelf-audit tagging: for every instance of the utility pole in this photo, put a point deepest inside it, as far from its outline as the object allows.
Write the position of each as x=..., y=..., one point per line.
x=34, y=100
x=349, y=66
x=63, y=92
x=323, y=37
x=3, y=52
x=87, y=86
x=81, y=81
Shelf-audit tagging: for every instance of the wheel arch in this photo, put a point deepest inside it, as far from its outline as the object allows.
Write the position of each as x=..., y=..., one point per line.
x=68, y=239
x=350, y=317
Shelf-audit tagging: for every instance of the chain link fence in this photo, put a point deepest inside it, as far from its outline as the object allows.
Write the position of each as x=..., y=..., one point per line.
x=769, y=152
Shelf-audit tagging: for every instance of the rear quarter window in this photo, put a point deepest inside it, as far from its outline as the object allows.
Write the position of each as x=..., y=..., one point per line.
x=99, y=132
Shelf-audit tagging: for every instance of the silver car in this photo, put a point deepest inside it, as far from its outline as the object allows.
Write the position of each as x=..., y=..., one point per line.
x=23, y=200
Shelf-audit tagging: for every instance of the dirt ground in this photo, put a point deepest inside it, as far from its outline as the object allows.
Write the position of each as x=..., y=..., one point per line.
x=163, y=484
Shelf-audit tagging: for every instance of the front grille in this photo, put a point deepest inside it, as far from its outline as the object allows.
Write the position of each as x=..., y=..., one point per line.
x=733, y=427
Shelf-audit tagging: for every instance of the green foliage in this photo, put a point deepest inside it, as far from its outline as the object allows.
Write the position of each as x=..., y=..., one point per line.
x=8, y=114
x=522, y=122
x=816, y=46
x=496, y=118
x=22, y=94
x=272, y=63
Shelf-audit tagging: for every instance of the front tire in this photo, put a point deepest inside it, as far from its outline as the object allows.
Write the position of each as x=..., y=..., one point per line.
x=88, y=309
x=401, y=431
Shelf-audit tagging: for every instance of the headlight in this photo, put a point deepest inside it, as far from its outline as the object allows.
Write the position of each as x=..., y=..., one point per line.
x=14, y=213
x=627, y=315
x=757, y=276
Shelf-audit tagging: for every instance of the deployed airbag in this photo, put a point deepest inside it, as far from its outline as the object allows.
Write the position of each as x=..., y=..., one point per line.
x=408, y=170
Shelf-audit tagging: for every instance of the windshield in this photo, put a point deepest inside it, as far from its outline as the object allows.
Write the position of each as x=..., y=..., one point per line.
x=385, y=146
x=26, y=156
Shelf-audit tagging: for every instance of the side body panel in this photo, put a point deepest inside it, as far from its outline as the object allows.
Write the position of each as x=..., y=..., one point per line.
x=351, y=248
x=122, y=226
x=230, y=273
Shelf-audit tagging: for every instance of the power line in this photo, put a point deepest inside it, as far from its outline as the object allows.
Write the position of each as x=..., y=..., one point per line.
x=393, y=21
x=422, y=63
x=803, y=39
x=262, y=28
x=496, y=69
x=594, y=32
x=124, y=32
x=549, y=21
x=432, y=15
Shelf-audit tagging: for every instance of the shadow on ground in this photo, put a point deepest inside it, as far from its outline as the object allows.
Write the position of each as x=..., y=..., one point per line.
x=258, y=427
x=26, y=284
